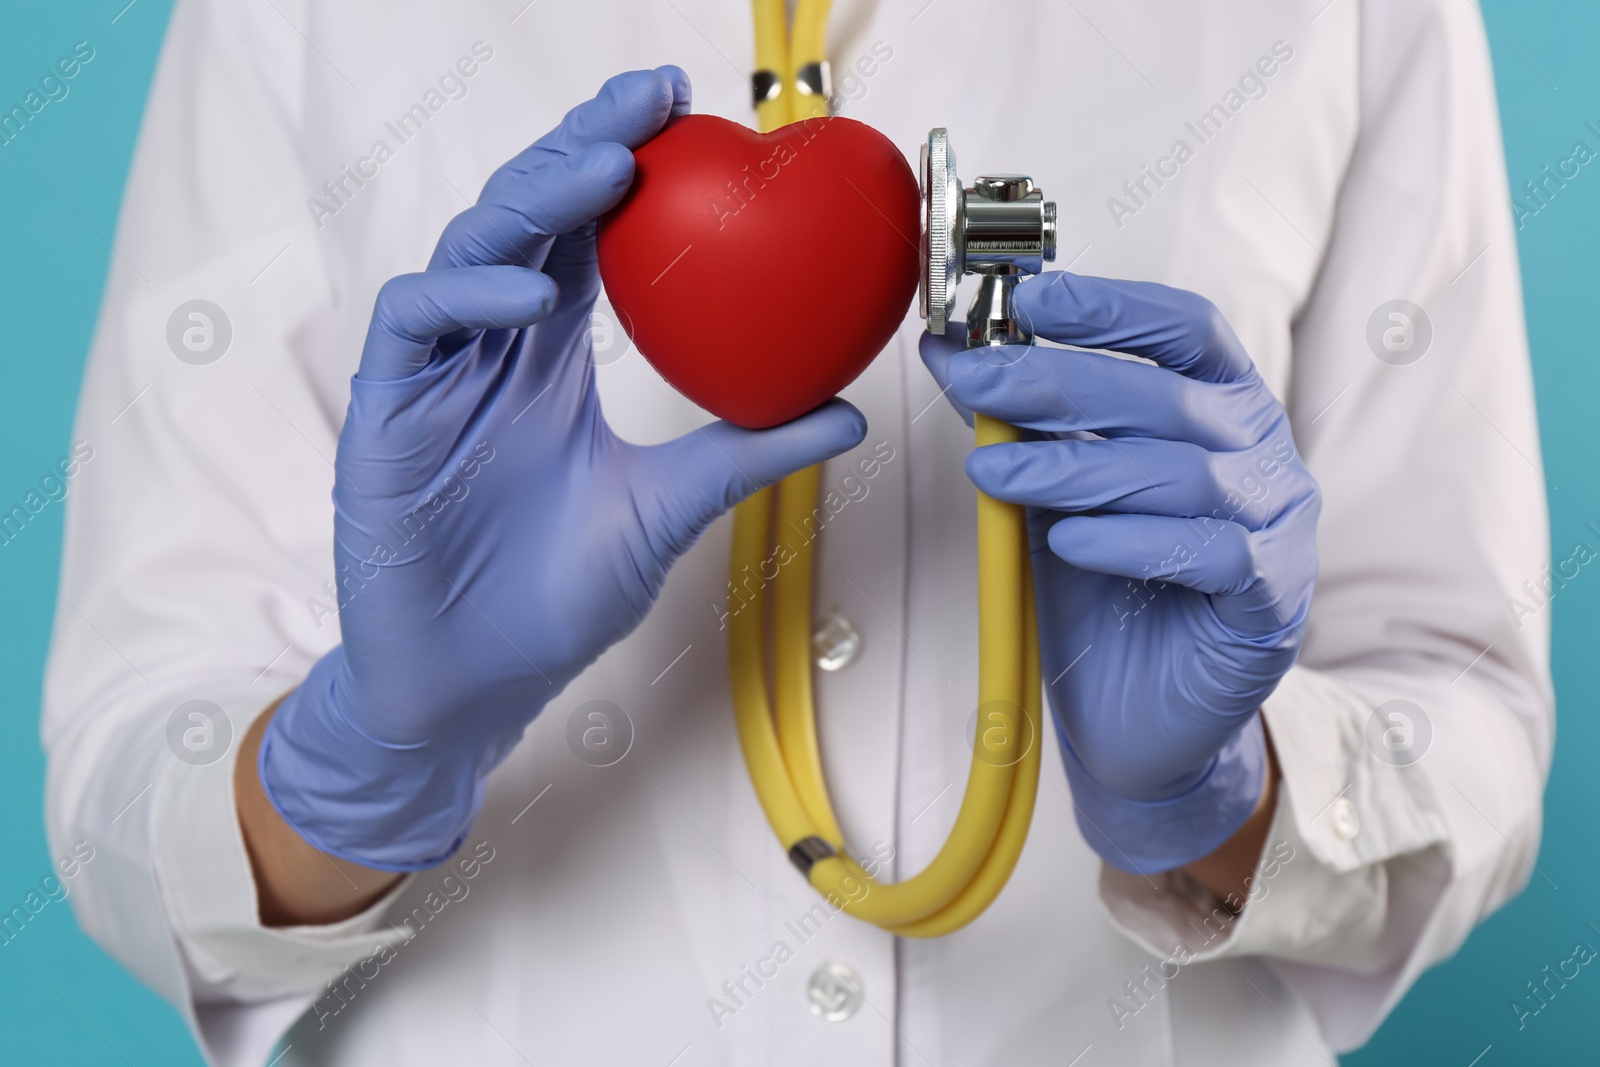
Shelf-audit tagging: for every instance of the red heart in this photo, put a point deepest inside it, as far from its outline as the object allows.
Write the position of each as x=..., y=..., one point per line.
x=761, y=273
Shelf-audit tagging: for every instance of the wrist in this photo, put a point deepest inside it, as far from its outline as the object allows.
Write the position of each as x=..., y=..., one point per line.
x=384, y=806
x=1228, y=872
x=296, y=885
x=1152, y=836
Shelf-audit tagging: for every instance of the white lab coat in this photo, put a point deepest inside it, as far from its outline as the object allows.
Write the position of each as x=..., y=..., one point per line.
x=617, y=912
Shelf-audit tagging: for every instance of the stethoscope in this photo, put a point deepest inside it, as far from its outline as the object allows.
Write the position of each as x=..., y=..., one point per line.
x=1000, y=229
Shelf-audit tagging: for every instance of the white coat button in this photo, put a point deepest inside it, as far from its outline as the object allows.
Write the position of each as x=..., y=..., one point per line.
x=834, y=992
x=1346, y=823
x=835, y=643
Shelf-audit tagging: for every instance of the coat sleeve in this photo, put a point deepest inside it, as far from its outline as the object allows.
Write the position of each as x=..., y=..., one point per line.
x=1396, y=835
x=198, y=533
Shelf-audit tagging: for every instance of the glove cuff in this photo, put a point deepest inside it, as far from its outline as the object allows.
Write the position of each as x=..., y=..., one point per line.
x=1152, y=836
x=389, y=808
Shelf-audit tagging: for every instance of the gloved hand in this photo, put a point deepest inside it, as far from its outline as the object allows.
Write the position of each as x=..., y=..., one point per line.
x=1174, y=551
x=493, y=535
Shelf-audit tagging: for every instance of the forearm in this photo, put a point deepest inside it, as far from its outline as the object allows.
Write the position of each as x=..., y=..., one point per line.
x=1227, y=870
x=296, y=884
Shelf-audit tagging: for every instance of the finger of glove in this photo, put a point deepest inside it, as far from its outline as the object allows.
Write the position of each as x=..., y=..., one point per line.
x=699, y=476
x=573, y=262
x=515, y=222
x=1140, y=476
x=936, y=350
x=1178, y=329
x=1206, y=555
x=629, y=109
x=1259, y=583
x=1057, y=390
x=1275, y=607
x=413, y=311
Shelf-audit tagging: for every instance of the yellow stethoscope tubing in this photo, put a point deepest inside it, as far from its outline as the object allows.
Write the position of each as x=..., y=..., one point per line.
x=781, y=750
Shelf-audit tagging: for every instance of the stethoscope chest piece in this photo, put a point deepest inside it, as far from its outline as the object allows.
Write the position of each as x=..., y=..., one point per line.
x=1000, y=229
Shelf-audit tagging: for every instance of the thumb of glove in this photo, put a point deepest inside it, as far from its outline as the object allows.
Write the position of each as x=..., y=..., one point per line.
x=684, y=485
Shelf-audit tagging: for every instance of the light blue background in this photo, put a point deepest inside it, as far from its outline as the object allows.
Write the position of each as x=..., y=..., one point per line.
x=63, y=1001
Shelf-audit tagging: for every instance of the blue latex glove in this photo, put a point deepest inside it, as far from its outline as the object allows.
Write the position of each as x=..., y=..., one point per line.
x=493, y=535
x=1173, y=528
